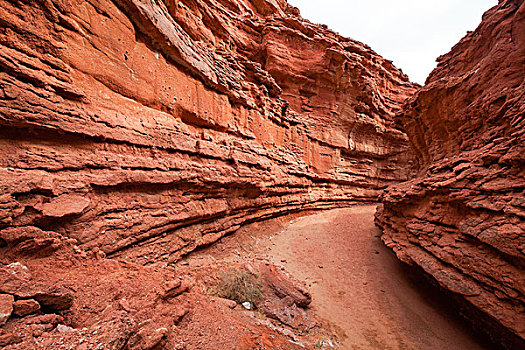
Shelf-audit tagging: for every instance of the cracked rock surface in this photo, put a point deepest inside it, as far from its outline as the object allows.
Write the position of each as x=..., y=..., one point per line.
x=462, y=218
x=134, y=132
x=148, y=128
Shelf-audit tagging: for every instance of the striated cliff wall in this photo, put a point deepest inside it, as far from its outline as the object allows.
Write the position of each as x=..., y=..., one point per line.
x=147, y=128
x=462, y=218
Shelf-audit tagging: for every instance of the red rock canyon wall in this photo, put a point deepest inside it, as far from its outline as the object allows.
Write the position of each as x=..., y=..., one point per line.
x=462, y=218
x=146, y=128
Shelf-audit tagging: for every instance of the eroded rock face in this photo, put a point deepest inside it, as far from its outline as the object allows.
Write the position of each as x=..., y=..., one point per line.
x=462, y=219
x=145, y=129
x=70, y=299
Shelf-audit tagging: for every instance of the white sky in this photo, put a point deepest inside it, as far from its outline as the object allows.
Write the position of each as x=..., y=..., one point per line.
x=412, y=33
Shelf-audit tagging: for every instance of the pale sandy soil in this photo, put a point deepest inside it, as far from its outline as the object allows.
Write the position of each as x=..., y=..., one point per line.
x=357, y=284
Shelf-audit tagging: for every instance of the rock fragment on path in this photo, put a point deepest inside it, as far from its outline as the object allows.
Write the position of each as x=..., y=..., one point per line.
x=25, y=307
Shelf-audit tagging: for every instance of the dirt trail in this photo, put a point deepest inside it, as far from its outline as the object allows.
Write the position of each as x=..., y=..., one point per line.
x=358, y=285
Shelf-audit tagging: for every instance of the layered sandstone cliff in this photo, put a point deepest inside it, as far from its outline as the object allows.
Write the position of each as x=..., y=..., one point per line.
x=462, y=218
x=147, y=128
x=134, y=131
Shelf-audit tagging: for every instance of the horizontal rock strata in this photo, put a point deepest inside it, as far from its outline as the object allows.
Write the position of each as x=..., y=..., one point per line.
x=145, y=129
x=462, y=219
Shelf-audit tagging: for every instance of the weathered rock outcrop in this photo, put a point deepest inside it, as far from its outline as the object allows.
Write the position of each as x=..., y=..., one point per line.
x=146, y=128
x=462, y=219
x=73, y=300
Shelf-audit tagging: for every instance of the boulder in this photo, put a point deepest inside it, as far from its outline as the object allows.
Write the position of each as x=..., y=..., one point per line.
x=25, y=307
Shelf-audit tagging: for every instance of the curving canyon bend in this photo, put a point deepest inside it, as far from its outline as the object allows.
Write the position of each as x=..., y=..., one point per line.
x=225, y=174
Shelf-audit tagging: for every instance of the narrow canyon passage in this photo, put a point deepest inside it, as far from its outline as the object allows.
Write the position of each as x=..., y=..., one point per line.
x=159, y=155
x=358, y=285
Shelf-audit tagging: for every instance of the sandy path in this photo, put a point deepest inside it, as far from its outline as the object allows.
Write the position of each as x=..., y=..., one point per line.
x=358, y=285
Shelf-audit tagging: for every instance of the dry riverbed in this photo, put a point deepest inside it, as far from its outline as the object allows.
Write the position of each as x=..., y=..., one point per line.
x=362, y=292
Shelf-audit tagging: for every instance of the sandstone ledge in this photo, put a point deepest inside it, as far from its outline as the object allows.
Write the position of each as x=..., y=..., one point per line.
x=146, y=129
x=462, y=218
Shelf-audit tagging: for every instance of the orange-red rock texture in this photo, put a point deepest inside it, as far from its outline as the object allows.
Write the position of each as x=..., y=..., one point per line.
x=462, y=218
x=134, y=131
x=147, y=128
x=139, y=130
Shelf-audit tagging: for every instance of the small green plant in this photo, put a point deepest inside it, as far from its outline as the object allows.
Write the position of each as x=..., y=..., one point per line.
x=239, y=285
x=319, y=344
